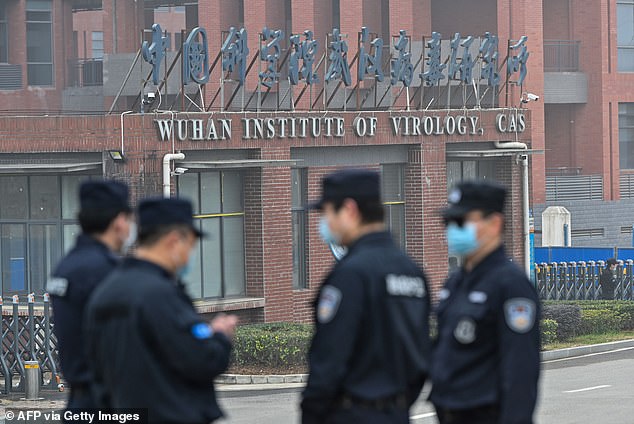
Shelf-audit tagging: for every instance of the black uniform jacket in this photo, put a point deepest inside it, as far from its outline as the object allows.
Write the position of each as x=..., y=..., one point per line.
x=372, y=332
x=73, y=281
x=151, y=349
x=487, y=350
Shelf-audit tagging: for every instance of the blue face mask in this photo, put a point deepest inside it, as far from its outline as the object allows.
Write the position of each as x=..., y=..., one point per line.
x=462, y=241
x=324, y=232
x=186, y=269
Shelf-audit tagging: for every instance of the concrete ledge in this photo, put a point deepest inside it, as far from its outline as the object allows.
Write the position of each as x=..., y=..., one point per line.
x=572, y=352
x=261, y=379
x=226, y=305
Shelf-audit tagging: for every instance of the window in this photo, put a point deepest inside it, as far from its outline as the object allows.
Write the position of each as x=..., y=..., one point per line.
x=4, y=34
x=178, y=41
x=299, y=195
x=97, y=44
x=465, y=170
x=393, y=194
x=240, y=13
x=39, y=42
x=336, y=14
x=385, y=20
x=625, y=35
x=217, y=200
x=37, y=226
x=626, y=135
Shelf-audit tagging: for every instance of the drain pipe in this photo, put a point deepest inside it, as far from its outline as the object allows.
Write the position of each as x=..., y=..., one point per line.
x=167, y=159
x=523, y=160
x=121, y=120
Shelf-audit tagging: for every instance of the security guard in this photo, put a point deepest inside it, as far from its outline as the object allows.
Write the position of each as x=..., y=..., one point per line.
x=485, y=361
x=608, y=280
x=369, y=355
x=149, y=347
x=105, y=218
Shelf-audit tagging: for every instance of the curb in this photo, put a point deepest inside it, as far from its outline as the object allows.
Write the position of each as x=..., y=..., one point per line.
x=572, y=352
x=261, y=379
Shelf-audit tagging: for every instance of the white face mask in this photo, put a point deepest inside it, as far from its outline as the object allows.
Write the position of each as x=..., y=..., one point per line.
x=130, y=240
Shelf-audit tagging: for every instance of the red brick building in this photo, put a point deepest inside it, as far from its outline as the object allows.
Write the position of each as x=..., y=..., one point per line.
x=254, y=156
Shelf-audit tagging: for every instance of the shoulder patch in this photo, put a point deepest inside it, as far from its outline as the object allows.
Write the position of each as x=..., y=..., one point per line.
x=201, y=331
x=57, y=286
x=328, y=305
x=519, y=314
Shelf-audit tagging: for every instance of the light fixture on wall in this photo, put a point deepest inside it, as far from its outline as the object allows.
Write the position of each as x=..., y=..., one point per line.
x=116, y=155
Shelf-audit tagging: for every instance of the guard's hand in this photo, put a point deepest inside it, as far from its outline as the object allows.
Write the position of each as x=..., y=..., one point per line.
x=225, y=324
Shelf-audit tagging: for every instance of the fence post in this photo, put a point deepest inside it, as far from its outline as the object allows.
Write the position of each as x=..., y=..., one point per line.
x=3, y=353
x=628, y=278
x=48, y=349
x=556, y=280
x=19, y=365
x=592, y=278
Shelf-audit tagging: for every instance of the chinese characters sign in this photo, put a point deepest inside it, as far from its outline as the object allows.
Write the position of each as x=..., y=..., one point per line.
x=456, y=59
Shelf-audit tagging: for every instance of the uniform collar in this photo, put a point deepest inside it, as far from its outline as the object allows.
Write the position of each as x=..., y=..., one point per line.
x=495, y=257
x=84, y=240
x=148, y=266
x=377, y=237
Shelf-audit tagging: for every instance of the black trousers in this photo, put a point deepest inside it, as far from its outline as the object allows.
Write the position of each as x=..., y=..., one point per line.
x=361, y=415
x=79, y=399
x=480, y=415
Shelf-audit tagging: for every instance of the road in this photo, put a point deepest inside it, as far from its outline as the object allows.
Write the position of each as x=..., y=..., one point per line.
x=595, y=388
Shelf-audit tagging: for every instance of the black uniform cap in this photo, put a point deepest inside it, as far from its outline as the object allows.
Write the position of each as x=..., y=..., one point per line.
x=475, y=195
x=159, y=212
x=104, y=195
x=357, y=184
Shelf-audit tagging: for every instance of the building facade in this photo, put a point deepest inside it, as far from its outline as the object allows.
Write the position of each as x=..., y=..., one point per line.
x=80, y=98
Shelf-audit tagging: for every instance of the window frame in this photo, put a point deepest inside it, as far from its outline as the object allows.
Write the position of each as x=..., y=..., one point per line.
x=27, y=223
x=626, y=47
x=4, y=30
x=395, y=204
x=51, y=38
x=222, y=215
x=622, y=156
x=300, y=231
x=92, y=45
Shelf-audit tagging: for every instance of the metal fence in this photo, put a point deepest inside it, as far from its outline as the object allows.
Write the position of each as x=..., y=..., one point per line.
x=561, y=55
x=85, y=72
x=574, y=187
x=27, y=335
x=580, y=280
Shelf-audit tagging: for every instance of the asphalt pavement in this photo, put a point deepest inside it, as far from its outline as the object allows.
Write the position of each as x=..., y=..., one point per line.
x=595, y=388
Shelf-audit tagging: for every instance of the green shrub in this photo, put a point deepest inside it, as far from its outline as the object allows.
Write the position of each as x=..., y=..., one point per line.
x=598, y=321
x=271, y=345
x=624, y=308
x=568, y=318
x=549, y=331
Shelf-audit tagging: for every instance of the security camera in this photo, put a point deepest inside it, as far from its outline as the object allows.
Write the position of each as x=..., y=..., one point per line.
x=180, y=171
x=148, y=98
x=531, y=96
